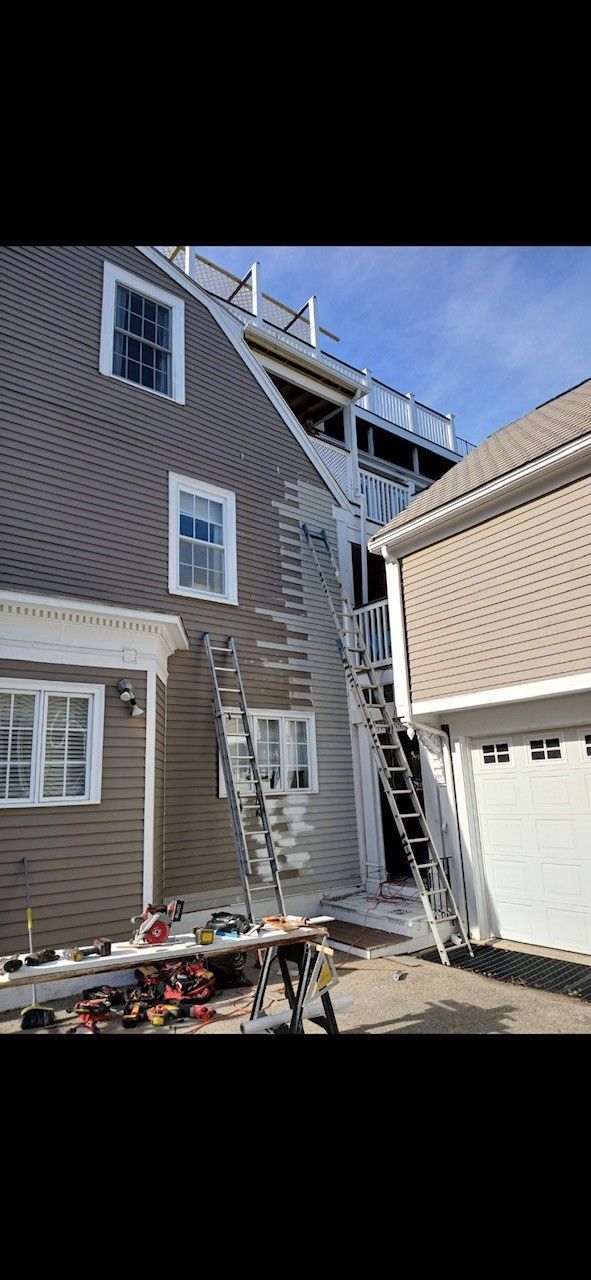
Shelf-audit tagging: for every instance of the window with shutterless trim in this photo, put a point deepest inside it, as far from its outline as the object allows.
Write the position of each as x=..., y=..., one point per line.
x=285, y=746
x=142, y=334
x=51, y=737
x=202, y=540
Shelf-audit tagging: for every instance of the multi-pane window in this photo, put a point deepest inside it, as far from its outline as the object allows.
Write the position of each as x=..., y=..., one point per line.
x=46, y=746
x=142, y=334
x=545, y=749
x=297, y=764
x=588, y=744
x=17, y=718
x=496, y=753
x=285, y=751
x=201, y=543
x=66, y=747
x=202, y=558
x=142, y=344
x=268, y=750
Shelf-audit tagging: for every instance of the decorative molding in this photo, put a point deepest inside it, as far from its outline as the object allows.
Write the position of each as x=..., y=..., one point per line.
x=433, y=746
x=38, y=628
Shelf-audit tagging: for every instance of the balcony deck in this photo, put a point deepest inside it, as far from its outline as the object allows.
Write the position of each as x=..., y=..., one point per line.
x=265, y=319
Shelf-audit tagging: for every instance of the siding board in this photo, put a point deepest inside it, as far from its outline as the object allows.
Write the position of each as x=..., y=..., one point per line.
x=507, y=602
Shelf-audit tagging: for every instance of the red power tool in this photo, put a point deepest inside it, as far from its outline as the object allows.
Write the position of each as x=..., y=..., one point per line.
x=155, y=923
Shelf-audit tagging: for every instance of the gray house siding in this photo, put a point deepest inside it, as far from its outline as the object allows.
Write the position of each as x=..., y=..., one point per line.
x=86, y=461
x=85, y=862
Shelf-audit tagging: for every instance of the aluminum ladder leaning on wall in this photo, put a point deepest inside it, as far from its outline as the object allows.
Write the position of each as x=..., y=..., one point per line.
x=249, y=860
x=429, y=872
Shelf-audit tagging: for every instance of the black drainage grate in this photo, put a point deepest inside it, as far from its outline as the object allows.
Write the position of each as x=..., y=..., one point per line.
x=558, y=976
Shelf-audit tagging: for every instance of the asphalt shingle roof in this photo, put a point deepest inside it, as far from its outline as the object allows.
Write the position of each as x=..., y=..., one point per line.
x=539, y=432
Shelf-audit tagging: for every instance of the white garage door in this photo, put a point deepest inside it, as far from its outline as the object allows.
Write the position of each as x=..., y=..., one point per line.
x=533, y=795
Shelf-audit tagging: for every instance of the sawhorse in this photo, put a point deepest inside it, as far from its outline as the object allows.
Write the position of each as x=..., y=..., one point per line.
x=304, y=954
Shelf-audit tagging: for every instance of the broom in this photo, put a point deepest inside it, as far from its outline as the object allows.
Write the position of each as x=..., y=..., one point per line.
x=35, y=1015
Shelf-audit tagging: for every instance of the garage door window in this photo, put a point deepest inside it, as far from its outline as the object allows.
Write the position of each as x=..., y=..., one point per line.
x=588, y=744
x=496, y=753
x=545, y=749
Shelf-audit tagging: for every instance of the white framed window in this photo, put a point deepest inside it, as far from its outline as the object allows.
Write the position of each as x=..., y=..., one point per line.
x=202, y=541
x=51, y=742
x=545, y=748
x=142, y=334
x=496, y=753
x=285, y=747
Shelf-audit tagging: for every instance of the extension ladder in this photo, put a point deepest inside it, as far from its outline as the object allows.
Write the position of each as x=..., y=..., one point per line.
x=253, y=805
x=396, y=776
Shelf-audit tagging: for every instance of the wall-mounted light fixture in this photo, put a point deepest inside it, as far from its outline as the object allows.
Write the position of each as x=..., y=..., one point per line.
x=127, y=695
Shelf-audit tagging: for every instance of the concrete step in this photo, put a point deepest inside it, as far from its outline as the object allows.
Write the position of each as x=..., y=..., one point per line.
x=398, y=911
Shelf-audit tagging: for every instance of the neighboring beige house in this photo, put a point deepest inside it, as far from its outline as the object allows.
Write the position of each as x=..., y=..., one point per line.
x=489, y=591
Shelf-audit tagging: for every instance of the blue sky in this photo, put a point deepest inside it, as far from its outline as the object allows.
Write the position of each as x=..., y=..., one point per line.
x=485, y=333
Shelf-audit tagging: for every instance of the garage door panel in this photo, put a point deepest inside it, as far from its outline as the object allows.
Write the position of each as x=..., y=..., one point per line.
x=562, y=880
x=569, y=928
x=553, y=793
x=508, y=874
x=535, y=826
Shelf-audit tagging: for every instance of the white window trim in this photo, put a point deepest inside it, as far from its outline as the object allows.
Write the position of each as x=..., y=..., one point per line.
x=310, y=718
x=225, y=496
x=112, y=276
x=95, y=754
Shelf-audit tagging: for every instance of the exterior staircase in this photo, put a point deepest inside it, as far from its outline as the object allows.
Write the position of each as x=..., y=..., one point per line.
x=367, y=919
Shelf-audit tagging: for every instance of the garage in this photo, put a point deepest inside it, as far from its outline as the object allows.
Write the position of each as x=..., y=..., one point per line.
x=533, y=799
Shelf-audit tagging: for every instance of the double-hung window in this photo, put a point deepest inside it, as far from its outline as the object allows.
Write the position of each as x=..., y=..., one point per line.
x=202, y=535
x=285, y=746
x=142, y=334
x=50, y=743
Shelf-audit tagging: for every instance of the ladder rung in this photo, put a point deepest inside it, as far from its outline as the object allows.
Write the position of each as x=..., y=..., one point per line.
x=232, y=670
x=444, y=919
x=223, y=688
x=397, y=768
x=422, y=865
x=417, y=839
x=219, y=648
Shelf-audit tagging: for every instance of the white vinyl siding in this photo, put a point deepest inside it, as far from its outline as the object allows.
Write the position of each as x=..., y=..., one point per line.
x=142, y=335
x=50, y=743
x=285, y=746
x=202, y=533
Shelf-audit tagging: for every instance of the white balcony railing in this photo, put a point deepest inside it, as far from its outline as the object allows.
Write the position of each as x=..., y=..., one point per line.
x=383, y=498
x=338, y=461
x=374, y=625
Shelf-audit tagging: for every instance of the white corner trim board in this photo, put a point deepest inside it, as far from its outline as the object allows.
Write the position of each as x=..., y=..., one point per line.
x=570, y=462
x=398, y=633
x=38, y=628
x=508, y=693
x=238, y=342
x=149, y=787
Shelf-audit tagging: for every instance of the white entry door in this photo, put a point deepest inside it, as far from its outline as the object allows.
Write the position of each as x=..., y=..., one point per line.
x=533, y=794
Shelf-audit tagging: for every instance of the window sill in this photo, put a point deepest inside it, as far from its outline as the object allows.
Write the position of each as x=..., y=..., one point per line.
x=127, y=382
x=202, y=595
x=67, y=802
